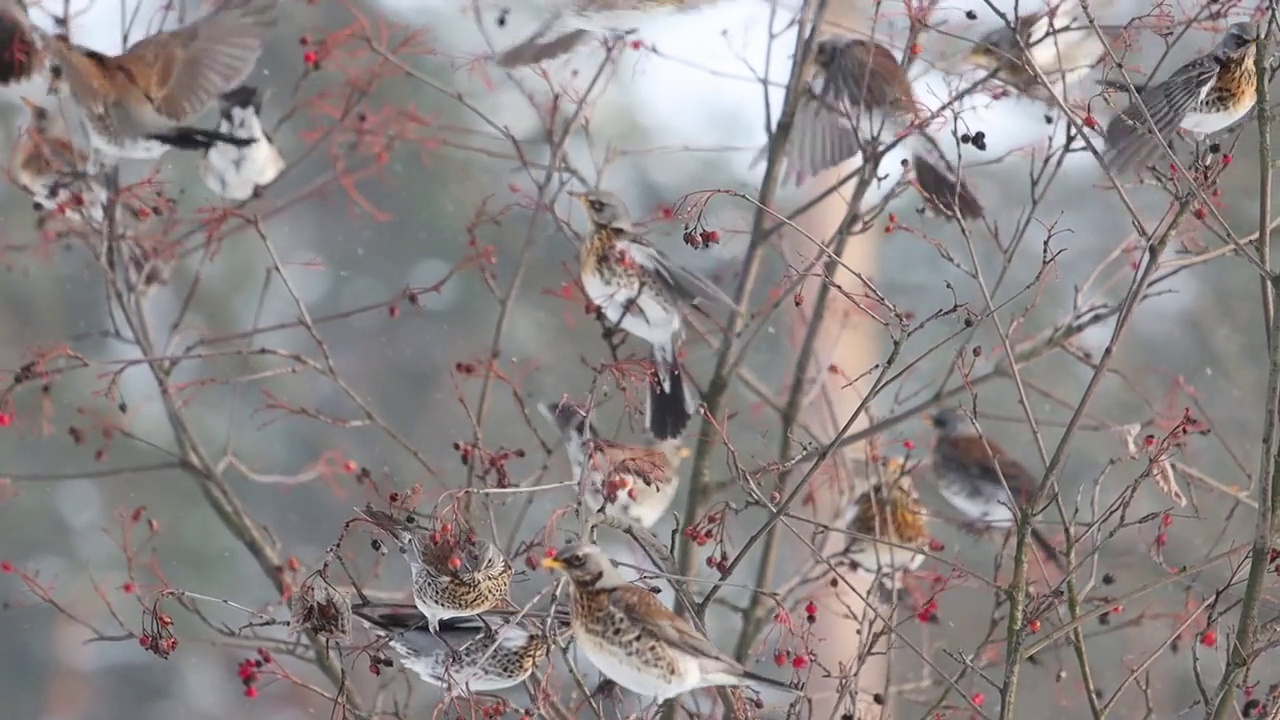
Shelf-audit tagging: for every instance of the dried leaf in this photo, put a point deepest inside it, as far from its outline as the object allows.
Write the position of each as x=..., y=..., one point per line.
x=1162, y=473
x=1128, y=436
x=319, y=608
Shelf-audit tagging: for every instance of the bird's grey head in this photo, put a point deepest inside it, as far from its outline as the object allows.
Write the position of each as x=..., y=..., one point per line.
x=1239, y=37
x=828, y=50
x=586, y=565
x=949, y=422
x=605, y=209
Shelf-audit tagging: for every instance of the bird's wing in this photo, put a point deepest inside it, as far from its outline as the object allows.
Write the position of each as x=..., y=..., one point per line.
x=183, y=71
x=645, y=610
x=686, y=285
x=972, y=456
x=1130, y=140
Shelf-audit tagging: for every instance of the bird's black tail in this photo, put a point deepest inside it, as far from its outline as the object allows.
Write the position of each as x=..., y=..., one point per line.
x=669, y=411
x=945, y=191
x=190, y=138
x=532, y=52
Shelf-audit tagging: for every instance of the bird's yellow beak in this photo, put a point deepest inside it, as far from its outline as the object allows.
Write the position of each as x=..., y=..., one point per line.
x=552, y=563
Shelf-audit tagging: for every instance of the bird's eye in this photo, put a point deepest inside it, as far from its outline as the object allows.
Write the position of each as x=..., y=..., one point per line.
x=574, y=560
x=597, y=206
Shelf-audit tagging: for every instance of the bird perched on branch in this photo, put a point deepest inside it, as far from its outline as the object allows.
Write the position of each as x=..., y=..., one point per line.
x=466, y=653
x=635, y=640
x=1203, y=96
x=640, y=290
x=1058, y=43
x=138, y=105
x=637, y=482
x=452, y=576
x=238, y=172
x=890, y=527
x=858, y=100
x=20, y=54
x=584, y=18
x=972, y=474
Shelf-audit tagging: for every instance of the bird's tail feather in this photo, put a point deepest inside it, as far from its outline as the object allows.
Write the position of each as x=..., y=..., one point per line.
x=669, y=410
x=1049, y=550
x=190, y=138
x=763, y=683
x=944, y=190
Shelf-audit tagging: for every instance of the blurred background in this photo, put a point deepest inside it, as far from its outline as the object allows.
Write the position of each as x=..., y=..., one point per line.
x=685, y=111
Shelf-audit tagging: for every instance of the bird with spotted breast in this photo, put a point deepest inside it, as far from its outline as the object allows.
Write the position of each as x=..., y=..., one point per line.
x=636, y=482
x=1204, y=96
x=635, y=640
x=21, y=56
x=969, y=468
x=465, y=653
x=857, y=101
x=889, y=527
x=139, y=105
x=1058, y=42
x=574, y=21
x=640, y=290
x=453, y=576
x=238, y=172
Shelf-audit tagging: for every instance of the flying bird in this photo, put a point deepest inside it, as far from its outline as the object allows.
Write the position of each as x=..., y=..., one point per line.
x=237, y=172
x=1204, y=96
x=139, y=105
x=635, y=640
x=859, y=98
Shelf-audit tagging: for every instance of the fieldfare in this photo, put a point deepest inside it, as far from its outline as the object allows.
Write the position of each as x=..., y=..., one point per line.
x=20, y=53
x=466, y=653
x=452, y=576
x=969, y=477
x=635, y=640
x=637, y=482
x=137, y=105
x=1059, y=43
x=889, y=527
x=1204, y=96
x=587, y=18
x=640, y=290
x=860, y=99
x=238, y=172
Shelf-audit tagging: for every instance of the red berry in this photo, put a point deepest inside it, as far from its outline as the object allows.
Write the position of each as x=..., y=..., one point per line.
x=446, y=529
x=1161, y=539
x=1166, y=520
x=936, y=546
x=128, y=588
x=5, y=419
x=908, y=445
x=350, y=466
x=455, y=563
x=1033, y=626
x=780, y=658
x=309, y=57
x=811, y=608
x=144, y=640
x=800, y=662
x=1209, y=638
x=251, y=692
x=978, y=698
x=6, y=567
x=549, y=553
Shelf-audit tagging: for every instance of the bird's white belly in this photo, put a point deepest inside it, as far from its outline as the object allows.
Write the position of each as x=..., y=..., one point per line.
x=619, y=668
x=438, y=669
x=649, y=318
x=978, y=508
x=1205, y=123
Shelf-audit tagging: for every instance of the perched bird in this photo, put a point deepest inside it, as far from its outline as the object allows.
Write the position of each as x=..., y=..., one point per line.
x=969, y=477
x=889, y=526
x=466, y=653
x=860, y=98
x=635, y=640
x=1057, y=42
x=451, y=577
x=632, y=481
x=237, y=172
x=138, y=105
x=584, y=18
x=640, y=290
x=1204, y=96
x=20, y=54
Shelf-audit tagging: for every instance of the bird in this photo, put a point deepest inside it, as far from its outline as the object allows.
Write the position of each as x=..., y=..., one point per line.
x=889, y=525
x=452, y=577
x=238, y=172
x=859, y=98
x=1203, y=96
x=1058, y=42
x=586, y=18
x=138, y=105
x=466, y=653
x=635, y=640
x=637, y=482
x=969, y=478
x=20, y=54
x=640, y=290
